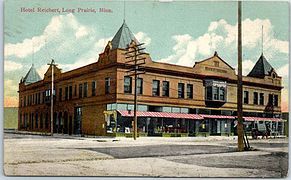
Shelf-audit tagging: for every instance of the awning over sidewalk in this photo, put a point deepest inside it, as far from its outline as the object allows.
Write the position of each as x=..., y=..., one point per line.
x=192, y=116
x=161, y=115
x=207, y=116
x=263, y=119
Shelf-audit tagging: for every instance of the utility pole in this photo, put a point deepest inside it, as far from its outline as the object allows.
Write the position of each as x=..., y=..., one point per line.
x=134, y=53
x=240, y=131
x=52, y=64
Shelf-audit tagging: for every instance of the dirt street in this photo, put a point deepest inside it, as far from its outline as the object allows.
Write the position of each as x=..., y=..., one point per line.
x=32, y=155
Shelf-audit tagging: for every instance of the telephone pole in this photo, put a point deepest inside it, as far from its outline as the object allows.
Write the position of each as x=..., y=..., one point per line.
x=52, y=64
x=134, y=53
x=240, y=131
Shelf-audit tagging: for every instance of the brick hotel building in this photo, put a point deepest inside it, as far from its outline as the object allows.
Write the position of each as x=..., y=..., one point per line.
x=97, y=99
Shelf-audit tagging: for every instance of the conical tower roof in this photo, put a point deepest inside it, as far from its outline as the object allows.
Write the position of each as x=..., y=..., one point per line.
x=32, y=76
x=123, y=37
x=262, y=68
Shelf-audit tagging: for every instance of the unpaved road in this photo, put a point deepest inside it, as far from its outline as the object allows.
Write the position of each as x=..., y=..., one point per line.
x=31, y=155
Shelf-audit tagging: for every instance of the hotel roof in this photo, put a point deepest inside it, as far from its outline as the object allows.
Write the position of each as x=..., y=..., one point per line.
x=262, y=68
x=32, y=76
x=123, y=37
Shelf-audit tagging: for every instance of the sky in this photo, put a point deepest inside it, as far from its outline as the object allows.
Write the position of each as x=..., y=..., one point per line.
x=180, y=33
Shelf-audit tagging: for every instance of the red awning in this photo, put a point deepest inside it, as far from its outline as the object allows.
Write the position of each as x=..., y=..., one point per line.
x=216, y=116
x=161, y=114
x=262, y=119
x=191, y=116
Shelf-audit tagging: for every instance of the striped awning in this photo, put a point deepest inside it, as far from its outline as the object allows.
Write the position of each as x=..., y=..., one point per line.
x=262, y=119
x=191, y=116
x=207, y=116
x=161, y=114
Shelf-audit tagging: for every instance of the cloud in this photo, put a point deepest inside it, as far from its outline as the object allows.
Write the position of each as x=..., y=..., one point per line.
x=81, y=32
x=283, y=71
x=143, y=38
x=247, y=66
x=25, y=48
x=11, y=66
x=222, y=37
x=57, y=28
x=89, y=57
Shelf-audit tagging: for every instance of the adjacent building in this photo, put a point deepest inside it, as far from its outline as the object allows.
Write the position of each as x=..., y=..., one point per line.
x=97, y=99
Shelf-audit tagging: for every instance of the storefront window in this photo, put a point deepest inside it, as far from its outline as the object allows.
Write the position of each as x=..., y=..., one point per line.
x=166, y=109
x=176, y=110
x=184, y=110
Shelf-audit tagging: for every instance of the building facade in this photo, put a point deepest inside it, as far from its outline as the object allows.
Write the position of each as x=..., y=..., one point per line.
x=97, y=99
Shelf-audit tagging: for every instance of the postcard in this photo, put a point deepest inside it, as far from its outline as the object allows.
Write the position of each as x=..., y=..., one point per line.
x=146, y=88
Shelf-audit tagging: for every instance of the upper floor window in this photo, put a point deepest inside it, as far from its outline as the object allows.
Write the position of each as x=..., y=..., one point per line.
x=262, y=99
x=75, y=91
x=32, y=99
x=66, y=93
x=166, y=86
x=43, y=96
x=246, y=97
x=70, y=92
x=156, y=88
x=80, y=90
x=222, y=93
x=127, y=84
x=39, y=98
x=48, y=92
x=215, y=90
x=93, y=88
x=139, y=86
x=271, y=99
x=85, y=89
x=107, y=85
x=276, y=100
x=60, y=94
x=181, y=91
x=256, y=98
x=190, y=91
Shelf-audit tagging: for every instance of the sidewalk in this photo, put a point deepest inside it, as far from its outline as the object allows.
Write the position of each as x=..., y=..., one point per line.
x=108, y=138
